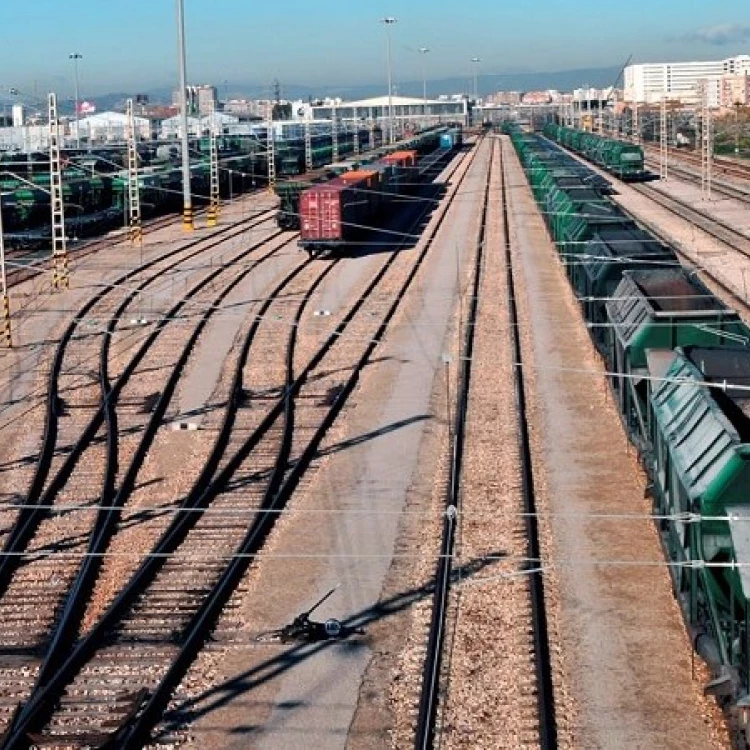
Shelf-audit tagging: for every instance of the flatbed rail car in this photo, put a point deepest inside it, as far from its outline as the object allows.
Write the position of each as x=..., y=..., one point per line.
x=678, y=360
x=622, y=159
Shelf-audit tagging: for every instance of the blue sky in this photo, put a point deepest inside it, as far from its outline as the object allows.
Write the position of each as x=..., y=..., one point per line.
x=130, y=45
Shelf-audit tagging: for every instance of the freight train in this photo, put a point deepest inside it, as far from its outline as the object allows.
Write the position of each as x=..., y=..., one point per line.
x=335, y=213
x=289, y=191
x=95, y=189
x=679, y=364
x=620, y=158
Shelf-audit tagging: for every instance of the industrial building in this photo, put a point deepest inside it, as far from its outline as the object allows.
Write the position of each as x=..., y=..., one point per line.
x=405, y=110
x=680, y=81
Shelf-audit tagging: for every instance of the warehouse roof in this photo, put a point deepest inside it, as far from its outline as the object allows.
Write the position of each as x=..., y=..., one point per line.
x=398, y=101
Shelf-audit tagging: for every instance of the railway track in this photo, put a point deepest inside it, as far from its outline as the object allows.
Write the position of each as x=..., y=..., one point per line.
x=34, y=587
x=71, y=394
x=24, y=265
x=711, y=225
x=720, y=187
x=164, y=604
x=429, y=732
x=541, y=648
x=721, y=165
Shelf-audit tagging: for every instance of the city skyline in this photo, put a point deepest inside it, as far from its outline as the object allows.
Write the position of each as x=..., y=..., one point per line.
x=340, y=44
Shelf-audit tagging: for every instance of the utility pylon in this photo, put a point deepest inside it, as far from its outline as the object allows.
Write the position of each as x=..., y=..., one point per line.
x=213, y=206
x=60, y=274
x=707, y=150
x=636, y=124
x=270, y=147
x=663, y=143
x=334, y=135
x=134, y=192
x=355, y=142
x=5, y=298
x=308, y=147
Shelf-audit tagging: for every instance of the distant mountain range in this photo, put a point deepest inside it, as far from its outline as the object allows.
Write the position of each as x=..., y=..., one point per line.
x=562, y=80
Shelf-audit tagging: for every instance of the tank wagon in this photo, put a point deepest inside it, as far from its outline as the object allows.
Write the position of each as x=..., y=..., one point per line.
x=679, y=364
x=622, y=159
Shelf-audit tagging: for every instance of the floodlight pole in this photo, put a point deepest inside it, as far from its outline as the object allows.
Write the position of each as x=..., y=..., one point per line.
x=187, y=202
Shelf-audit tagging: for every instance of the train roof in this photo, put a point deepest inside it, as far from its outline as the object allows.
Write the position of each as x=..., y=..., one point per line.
x=705, y=421
x=674, y=290
x=357, y=174
x=668, y=307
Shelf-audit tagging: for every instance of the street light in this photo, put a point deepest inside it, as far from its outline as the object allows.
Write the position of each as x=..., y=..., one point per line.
x=388, y=21
x=476, y=62
x=187, y=203
x=75, y=57
x=423, y=51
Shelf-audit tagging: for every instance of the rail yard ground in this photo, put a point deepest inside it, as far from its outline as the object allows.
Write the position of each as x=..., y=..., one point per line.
x=367, y=513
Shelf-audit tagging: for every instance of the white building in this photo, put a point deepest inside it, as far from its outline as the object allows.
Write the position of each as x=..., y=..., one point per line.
x=200, y=99
x=26, y=138
x=197, y=126
x=650, y=82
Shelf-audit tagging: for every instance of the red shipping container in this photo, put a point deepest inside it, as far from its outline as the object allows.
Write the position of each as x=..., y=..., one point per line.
x=331, y=213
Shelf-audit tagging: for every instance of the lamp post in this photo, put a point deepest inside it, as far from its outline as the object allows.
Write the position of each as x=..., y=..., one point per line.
x=187, y=203
x=75, y=57
x=388, y=21
x=475, y=61
x=423, y=51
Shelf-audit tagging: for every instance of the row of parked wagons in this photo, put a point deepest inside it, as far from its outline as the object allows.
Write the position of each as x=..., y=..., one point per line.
x=679, y=364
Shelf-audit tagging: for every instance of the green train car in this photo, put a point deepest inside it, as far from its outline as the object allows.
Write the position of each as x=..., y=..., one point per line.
x=622, y=159
x=679, y=365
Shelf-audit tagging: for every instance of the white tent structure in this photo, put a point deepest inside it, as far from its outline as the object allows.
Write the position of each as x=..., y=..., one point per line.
x=109, y=127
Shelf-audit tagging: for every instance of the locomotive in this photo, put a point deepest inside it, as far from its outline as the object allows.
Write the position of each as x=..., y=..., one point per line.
x=622, y=159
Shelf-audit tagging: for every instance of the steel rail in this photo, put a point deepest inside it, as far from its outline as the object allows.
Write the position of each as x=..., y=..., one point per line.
x=545, y=695
x=105, y=524
x=37, y=495
x=430, y=691
x=274, y=500
x=206, y=487
x=711, y=225
x=41, y=702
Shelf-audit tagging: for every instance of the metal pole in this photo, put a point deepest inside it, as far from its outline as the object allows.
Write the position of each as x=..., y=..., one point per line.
x=187, y=202
x=475, y=61
x=737, y=106
x=389, y=21
x=423, y=51
x=5, y=298
x=75, y=57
